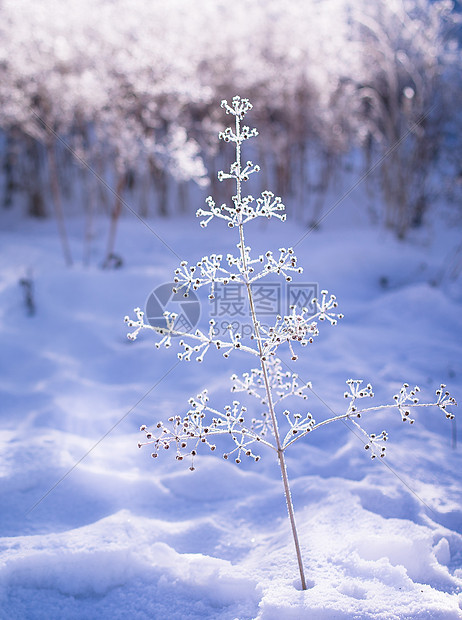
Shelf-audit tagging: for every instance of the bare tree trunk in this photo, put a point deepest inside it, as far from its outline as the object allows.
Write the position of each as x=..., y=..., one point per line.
x=57, y=202
x=9, y=163
x=322, y=186
x=182, y=197
x=115, y=215
x=144, y=196
x=160, y=182
x=89, y=215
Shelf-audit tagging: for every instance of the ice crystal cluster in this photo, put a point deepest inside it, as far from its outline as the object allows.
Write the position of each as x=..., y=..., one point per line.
x=271, y=382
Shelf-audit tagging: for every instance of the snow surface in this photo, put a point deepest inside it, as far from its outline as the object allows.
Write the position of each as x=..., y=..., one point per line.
x=92, y=527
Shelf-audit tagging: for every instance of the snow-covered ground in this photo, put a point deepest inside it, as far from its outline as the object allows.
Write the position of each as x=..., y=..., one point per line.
x=92, y=527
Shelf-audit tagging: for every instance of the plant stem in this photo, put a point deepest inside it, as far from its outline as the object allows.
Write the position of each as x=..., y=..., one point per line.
x=256, y=326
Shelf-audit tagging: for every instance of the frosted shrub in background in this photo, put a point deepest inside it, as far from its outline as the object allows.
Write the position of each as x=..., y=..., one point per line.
x=404, y=98
x=271, y=381
x=134, y=99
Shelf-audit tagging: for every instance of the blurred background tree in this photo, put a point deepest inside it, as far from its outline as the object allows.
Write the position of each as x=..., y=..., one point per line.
x=131, y=88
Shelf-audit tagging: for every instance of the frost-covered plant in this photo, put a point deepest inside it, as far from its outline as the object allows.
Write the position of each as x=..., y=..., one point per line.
x=268, y=382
